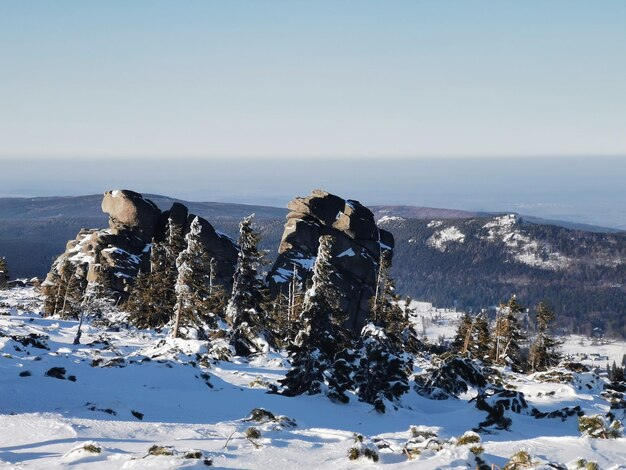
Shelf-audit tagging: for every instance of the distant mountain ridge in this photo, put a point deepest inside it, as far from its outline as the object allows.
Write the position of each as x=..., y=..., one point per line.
x=417, y=212
x=88, y=206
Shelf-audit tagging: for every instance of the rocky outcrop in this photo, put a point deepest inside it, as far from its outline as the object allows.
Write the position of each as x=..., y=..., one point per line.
x=355, y=255
x=128, y=210
x=114, y=256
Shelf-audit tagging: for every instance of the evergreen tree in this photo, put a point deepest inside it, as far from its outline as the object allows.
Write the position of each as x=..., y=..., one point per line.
x=4, y=273
x=382, y=372
x=283, y=317
x=152, y=299
x=69, y=301
x=386, y=311
x=340, y=375
x=289, y=324
x=100, y=297
x=617, y=373
x=218, y=299
x=544, y=351
x=463, y=337
x=174, y=244
x=174, y=241
x=98, y=301
x=245, y=307
x=473, y=338
x=508, y=336
x=481, y=338
x=193, y=284
x=410, y=338
x=318, y=341
x=215, y=303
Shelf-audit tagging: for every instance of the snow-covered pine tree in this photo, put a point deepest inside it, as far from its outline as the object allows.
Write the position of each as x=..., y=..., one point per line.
x=193, y=285
x=173, y=245
x=544, y=350
x=508, y=336
x=277, y=310
x=283, y=312
x=100, y=297
x=214, y=305
x=151, y=301
x=473, y=338
x=319, y=339
x=386, y=311
x=61, y=291
x=340, y=376
x=378, y=369
x=288, y=309
x=70, y=292
x=481, y=338
x=4, y=273
x=616, y=374
x=463, y=337
x=245, y=307
x=410, y=338
x=381, y=371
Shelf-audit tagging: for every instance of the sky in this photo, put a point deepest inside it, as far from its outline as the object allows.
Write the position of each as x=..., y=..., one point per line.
x=480, y=105
x=361, y=78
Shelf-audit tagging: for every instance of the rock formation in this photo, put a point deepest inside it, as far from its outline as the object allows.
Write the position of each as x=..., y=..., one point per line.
x=356, y=252
x=114, y=256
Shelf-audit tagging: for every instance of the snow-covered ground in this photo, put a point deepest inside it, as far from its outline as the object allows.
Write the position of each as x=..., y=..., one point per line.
x=124, y=391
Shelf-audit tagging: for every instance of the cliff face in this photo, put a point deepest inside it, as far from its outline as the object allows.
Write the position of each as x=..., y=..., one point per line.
x=114, y=256
x=355, y=254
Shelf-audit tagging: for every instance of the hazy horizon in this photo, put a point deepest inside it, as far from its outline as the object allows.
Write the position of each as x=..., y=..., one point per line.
x=576, y=189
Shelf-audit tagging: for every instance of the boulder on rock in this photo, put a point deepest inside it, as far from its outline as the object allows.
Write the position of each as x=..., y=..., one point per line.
x=359, y=243
x=128, y=210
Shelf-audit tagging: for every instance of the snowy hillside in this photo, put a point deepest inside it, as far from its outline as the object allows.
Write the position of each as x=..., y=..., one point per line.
x=127, y=398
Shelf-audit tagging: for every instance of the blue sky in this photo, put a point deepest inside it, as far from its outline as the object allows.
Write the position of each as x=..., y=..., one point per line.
x=307, y=79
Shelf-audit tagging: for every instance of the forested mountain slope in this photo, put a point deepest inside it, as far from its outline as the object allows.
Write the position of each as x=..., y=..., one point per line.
x=475, y=263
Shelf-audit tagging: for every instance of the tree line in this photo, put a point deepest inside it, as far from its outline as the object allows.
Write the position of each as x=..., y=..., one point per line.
x=506, y=341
